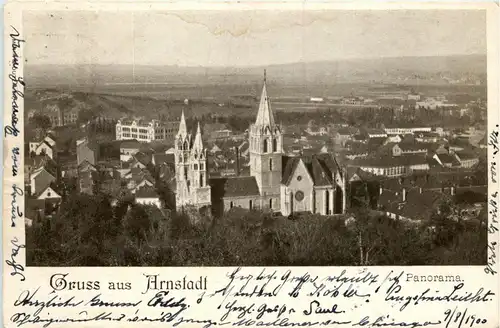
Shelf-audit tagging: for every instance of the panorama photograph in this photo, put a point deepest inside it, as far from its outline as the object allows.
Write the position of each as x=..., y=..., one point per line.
x=255, y=138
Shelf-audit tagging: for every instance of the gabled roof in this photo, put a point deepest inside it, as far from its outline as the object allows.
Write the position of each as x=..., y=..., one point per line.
x=234, y=187
x=42, y=179
x=42, y=190
x=142, y=158
x=41, y=160
x=321, y=168
x=44, y=143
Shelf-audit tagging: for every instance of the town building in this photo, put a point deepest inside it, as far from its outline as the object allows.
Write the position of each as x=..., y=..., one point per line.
x=87, y=151
x=147, y=195
x=275, y=183
x=145, y=131
x=406, y=129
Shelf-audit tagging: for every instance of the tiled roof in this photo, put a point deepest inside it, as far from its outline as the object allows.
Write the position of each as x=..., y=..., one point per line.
x=417, y=205
x=376, y=142
x=130, y=144
x=390, y=161
x=321, y=168
x=142, y=158
x=375, y=131
x=162, y=158
x=234, y=187
x=43, y=179
x=41, y=160
x=146, y=192
x=466, y=155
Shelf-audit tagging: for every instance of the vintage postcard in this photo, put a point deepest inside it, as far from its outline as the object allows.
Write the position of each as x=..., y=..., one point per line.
x=251, y=164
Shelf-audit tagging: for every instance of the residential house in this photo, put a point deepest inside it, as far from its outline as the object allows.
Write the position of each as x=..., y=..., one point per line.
x=87, y=176
x=448, y=160
x=466, y=159
x=395, y=138
x=41, y=178
x=344, y=134
x=392, y=166
x=406, y=129
x=147, y=195
x=128, y=148
x=427, y=137
x=414, y=204
x=87, y=151
x=376, y=133
x=48, y=192
x=408, y=148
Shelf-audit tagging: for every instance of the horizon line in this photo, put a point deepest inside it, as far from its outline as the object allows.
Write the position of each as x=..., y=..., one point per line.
x=263, y=65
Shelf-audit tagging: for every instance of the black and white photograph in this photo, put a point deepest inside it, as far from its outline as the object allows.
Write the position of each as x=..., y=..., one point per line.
x=255, y=138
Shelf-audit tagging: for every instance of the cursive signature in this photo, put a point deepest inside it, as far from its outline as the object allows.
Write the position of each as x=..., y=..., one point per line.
x=17, y=84
x=15, y=160
x=18, y=268
x=15, y=211
x=493, y=141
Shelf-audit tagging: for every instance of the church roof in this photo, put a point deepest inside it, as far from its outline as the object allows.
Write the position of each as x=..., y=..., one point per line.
x=198, y=143
x=265, y=115
x=321, y=168
x=234, y=187
x=182, y=126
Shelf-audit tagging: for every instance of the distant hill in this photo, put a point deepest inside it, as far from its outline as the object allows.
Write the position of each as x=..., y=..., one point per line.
x=437, y=69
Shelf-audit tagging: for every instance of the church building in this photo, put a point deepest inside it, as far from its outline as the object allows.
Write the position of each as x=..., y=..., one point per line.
x=277, y=183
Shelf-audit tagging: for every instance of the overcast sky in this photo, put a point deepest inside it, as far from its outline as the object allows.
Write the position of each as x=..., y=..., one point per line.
x=247, y=38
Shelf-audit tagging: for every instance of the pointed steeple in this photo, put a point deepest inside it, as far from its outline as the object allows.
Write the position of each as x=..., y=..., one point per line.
x=198, y=143
x=265, y=115
x=182, y=125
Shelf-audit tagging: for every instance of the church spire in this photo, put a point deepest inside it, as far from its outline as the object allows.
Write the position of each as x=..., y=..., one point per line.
x=265, y=115
x=182, y=125
x=198, y=143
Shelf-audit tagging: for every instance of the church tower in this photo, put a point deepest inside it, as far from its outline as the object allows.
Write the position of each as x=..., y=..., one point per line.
x=191, y=175
x=266, y=149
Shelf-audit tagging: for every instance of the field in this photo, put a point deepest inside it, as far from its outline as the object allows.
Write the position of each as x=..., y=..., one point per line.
x=155, y=100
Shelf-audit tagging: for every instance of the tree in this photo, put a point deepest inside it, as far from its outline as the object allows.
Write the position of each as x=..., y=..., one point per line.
x=85, y=115
x=41, y=121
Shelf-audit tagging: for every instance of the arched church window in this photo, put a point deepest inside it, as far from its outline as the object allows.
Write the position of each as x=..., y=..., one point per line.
x=270, y=164
x=195, y=166
x=201, y=179
x=265, y=146
x=275, y=145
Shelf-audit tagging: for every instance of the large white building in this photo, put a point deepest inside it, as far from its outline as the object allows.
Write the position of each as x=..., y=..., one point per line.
x=146, y=131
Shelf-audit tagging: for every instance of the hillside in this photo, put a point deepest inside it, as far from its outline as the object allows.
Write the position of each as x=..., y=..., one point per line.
x=118, y=106
x=422, y=69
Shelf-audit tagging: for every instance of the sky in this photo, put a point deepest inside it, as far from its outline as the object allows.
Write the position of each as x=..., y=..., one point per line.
x=247, y=38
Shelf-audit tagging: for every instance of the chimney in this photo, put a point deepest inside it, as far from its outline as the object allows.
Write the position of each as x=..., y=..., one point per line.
x=404, y=194
x=420, y=190
x=380, y=189
x=237, y=162
x=452, y=190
